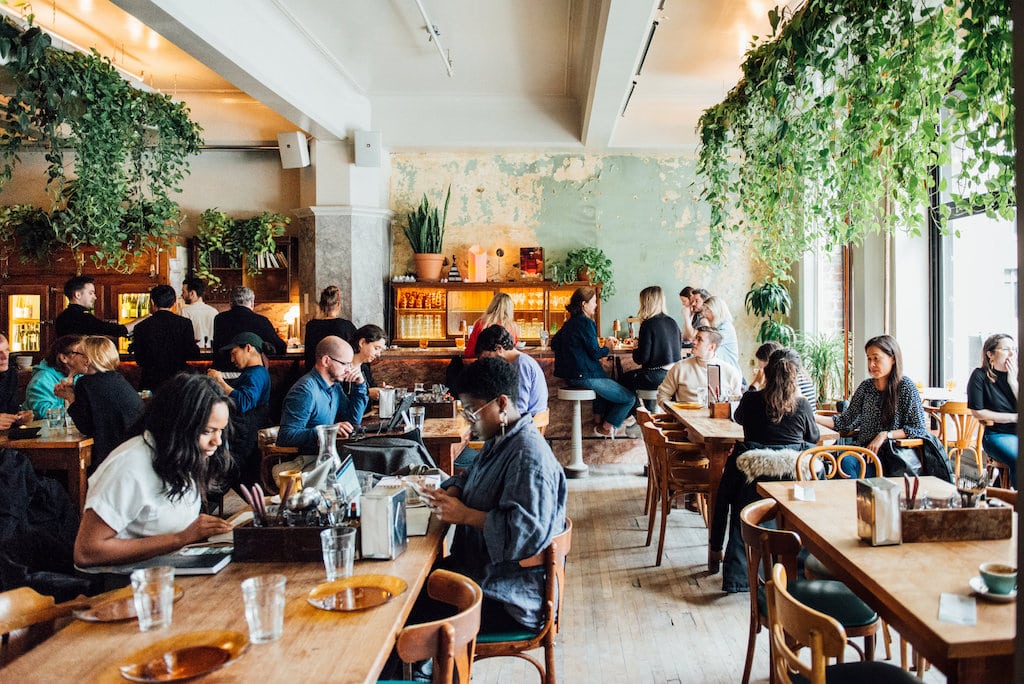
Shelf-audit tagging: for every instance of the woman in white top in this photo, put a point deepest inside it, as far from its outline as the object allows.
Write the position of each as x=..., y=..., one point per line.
x=717, y=313
x=144, y=500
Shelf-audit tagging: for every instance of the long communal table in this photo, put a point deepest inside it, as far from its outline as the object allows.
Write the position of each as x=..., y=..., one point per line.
x=903, y=582
x=316, y=646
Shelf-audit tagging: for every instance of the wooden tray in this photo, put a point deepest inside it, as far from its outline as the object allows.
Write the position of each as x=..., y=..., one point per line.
x=279, y=544
x=438, y=409
x=957, y=524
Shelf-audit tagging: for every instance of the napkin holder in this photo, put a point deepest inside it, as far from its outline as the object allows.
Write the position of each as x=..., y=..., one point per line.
x=721, y=409
x=878, y=511
x=382, y=523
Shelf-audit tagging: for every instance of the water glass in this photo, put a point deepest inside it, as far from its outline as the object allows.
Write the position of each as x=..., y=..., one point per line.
x=54, y=419
x=339, y=548
x=419, y=415
x=264, y=607
x=153, y=592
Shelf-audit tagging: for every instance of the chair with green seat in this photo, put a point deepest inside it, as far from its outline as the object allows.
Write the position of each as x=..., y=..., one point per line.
x=793, y=623
x=765, y=547
x=516, y=644
x=449, y=641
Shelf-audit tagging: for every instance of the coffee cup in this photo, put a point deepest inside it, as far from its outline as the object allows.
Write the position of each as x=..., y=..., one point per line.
x=1000, y=578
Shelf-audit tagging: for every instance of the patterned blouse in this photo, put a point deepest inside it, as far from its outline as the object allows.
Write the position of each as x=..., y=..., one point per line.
x=864, y=413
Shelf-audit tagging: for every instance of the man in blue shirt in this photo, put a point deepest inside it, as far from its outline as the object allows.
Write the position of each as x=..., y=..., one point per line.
x=317, y=397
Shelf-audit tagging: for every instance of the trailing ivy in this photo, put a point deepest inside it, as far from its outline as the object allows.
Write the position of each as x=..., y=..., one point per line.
x=234, y=240
x=832, y=131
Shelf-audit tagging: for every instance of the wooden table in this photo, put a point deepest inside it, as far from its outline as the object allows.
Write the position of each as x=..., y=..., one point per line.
x=942, y=394
x=316, y=646
x=68, y=451
x=445, y=438
x=718, y=435
x=903, y=582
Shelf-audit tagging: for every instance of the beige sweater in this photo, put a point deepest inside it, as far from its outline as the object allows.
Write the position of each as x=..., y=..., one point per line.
x=688, y=376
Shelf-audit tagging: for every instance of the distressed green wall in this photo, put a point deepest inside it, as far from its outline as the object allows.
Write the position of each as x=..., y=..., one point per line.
x=642, y=210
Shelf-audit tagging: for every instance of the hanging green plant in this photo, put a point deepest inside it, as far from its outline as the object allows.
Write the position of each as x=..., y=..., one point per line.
x=31, y=229
x=233, y=240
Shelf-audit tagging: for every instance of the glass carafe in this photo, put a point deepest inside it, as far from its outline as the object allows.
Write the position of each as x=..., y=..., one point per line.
x=327, y=435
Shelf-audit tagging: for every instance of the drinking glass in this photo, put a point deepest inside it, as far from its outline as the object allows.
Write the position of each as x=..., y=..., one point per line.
x=264, y=607
x=339, y=548
x=417, y=387
x=419, y=415
x=950, y=385
x=460, y=342
x=423, y=343
x=54, y=419
x=153, y=593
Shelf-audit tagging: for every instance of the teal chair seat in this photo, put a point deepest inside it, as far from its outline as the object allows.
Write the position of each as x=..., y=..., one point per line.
x=857, y=673
x=830, y=597
x=495, y=637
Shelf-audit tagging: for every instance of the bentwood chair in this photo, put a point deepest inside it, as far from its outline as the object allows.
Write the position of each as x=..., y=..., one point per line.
x=791, y=624
x=271, y=455
x=451, y=641
x=516, y=644
x=765, y=547
x=27, y=619
x=963, y=438
x=822, y=462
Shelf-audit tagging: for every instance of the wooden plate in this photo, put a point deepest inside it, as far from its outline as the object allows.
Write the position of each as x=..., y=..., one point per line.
x=184, y=656
x=358, y=592
x=688, y=405
x=117, y=609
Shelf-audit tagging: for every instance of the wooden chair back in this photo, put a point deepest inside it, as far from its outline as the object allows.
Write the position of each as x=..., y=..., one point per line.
x=542, y=419
x=271, y=455
x=1007, y=495
x=451, y=642
x=792, y=623
x=964, y=438
x=27, y=619
x=822, y=462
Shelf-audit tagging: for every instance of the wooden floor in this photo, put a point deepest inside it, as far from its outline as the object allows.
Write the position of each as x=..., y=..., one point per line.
x=626, y=620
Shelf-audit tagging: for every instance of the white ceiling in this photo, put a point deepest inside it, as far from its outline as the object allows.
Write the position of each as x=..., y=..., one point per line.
x=527, y=73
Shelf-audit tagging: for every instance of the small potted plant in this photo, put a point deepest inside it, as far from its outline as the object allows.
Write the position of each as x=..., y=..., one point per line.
x=425, y=232
x=588, y=264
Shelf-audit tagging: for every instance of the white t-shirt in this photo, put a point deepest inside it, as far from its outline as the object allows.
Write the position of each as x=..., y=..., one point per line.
x=126, y=493
x=201, y=314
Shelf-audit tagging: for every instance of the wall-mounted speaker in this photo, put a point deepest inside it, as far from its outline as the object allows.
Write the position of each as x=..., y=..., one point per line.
x=294, y=150
x=368, y=148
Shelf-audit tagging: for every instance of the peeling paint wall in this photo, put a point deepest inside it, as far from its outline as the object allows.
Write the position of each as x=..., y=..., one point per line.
x=642, y=210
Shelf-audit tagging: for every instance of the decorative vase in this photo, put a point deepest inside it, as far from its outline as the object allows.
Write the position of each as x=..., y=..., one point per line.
x=428, y=266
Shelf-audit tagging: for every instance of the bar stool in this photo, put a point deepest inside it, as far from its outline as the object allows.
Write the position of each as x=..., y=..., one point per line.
x=576, y=467
x=648, y=398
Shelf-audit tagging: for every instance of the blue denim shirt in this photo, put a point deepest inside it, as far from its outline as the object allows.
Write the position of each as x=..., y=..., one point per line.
x=521, y=486
x=311, y=402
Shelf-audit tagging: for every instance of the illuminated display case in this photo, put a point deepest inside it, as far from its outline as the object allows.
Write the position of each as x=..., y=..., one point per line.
x=24, y=324
x=130, y=305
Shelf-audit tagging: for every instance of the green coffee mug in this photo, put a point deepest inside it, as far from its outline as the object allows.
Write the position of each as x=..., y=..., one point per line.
x=1000, y=578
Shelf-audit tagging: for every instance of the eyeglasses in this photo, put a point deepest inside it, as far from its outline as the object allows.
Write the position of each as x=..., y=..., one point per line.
x=75, y=353
x=343, y=364
x=473, y=416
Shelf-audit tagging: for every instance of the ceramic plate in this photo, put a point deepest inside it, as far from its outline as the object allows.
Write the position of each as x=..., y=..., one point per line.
x=117, y=609
x=979, y=587
x=358, y=592
x=687, y=405
x=184, y=656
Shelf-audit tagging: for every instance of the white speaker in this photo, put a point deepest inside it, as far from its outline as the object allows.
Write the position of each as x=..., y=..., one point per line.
x=367, y=148
x=294, y=150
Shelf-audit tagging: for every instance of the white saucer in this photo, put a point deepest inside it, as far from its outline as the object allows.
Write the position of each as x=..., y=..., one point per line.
x=979, y=587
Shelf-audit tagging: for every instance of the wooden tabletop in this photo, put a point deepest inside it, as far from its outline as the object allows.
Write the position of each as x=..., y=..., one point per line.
x=903, y=582
x=703, y=427
x=56, y=439
x=316, y=646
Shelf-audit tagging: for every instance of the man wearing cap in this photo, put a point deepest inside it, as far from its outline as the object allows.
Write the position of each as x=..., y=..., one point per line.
x=241, y=318
x=250, y=392
x=163, y=342
x=317, y=397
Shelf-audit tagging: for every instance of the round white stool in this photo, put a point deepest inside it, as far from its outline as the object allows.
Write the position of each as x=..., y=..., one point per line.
x=576, y=467
x=648, y=396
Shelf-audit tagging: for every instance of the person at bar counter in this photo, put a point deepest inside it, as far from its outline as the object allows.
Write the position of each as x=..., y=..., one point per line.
x=657, y=345
x=64, y=360
x=164, y=342
x=992, y=396
x=101, y=403
x=317, y=398
x=506, y=507
x=76, y=319
x=144, y=500
x=328, y=321
x=10, y=415
x=885, y=406
x=196, y=310
x=368, y=343
x=496, y=342
x=687, y=380
x=241, y=318
x=578, y=362
x=499, y=312
x=250, y=394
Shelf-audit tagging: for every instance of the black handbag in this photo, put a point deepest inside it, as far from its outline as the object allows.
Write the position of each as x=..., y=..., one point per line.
x=898, y=460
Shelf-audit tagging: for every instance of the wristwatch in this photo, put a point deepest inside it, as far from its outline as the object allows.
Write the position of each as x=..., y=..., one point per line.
x=888, y=435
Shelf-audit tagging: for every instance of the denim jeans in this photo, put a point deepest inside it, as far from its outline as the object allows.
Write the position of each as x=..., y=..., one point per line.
x=642, y=378
x=1002, y=446
x=613, y=401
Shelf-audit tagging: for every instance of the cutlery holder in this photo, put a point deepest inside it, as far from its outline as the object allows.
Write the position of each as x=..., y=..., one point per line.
x=957, y=524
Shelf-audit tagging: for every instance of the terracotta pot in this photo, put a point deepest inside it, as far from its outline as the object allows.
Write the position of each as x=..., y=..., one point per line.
x=428, y=266
x=583, y=275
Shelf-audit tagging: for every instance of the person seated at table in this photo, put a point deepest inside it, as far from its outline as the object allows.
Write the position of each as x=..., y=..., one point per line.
x=368, y=343
x=507, y=505
x=9, y=413
x=250, y=394
x=496, y=342
x=328, y=321
x=687, y=381
x=499, y=312
x=64, y=360
x=692, y=299
x=144, y=500
x=718, y=316
x=992, y=396
x=101, y=403
x=657, y=344
x=317, y=398
x=578, y=362
x=886, y=406
x=776, y=417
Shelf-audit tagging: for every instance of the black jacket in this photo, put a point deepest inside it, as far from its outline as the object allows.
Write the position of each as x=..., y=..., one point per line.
x=319, y=328
x=239, y=319
x=76, y=320
x=105, y=408
x=162, y=343
x=576, y=352
x=9, y=394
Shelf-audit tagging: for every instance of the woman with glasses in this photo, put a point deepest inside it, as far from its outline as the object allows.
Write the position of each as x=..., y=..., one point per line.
x=509, y=503
x=65, y=360
x=992, y=398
